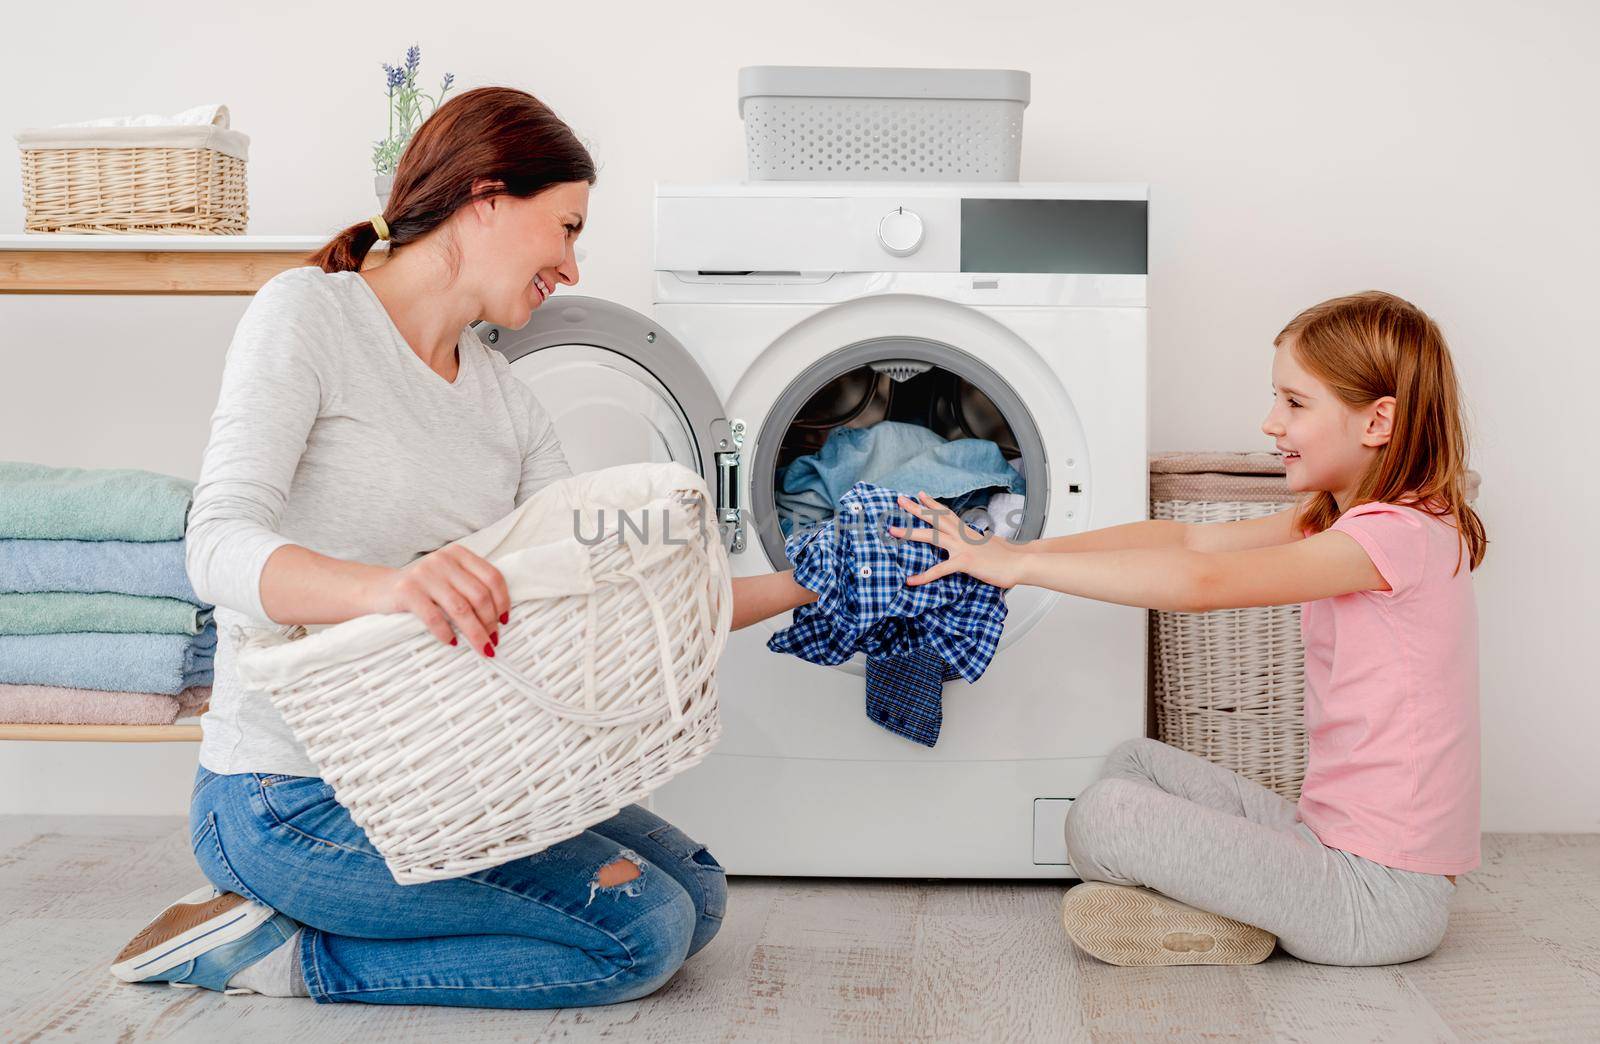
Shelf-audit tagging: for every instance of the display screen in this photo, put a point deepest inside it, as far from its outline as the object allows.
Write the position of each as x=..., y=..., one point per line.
x=1103, y=236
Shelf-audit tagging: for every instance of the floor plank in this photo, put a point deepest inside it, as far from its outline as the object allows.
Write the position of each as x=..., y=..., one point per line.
x=804, y=959
x=1521, y=960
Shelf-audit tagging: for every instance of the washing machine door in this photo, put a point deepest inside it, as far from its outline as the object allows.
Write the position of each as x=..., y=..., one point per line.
x=622, y=390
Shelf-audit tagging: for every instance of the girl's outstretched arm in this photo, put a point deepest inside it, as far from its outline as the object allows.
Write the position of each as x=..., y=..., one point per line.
x=1197, y=536
x=1176, y=579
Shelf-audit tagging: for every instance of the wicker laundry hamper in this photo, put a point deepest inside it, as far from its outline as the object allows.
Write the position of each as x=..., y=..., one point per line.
x=1229, y=685
x=179, y=180
x=602, y=688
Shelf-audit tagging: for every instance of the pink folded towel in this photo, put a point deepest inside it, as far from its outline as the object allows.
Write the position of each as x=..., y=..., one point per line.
x=53, y=705
x=193, y=698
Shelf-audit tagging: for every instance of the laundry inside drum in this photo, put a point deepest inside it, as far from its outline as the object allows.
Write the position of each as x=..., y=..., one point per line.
x=876, y=402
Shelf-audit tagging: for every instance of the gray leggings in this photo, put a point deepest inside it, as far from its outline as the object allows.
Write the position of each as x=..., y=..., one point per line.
x=1168, y=820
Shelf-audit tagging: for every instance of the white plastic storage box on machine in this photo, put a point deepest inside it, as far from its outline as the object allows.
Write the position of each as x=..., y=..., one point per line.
x=1012, y=312
x=812, y=123
x=602, y=688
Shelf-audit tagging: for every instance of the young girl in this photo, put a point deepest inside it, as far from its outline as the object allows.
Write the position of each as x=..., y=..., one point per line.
x=1366, y=412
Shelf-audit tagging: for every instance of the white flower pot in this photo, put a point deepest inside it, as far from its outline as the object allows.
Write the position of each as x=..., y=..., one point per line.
x=382, y=184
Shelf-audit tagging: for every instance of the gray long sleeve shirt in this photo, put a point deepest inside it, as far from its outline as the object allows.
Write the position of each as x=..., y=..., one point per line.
x=331, y=433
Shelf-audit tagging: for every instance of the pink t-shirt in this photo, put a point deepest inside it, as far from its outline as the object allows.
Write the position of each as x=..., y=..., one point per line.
x=1392, y=700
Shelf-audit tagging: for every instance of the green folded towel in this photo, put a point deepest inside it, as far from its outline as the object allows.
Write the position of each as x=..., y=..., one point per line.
x=45, y=503
x=56, y=612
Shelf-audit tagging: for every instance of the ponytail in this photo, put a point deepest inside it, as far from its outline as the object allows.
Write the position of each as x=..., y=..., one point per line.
x=346, y=251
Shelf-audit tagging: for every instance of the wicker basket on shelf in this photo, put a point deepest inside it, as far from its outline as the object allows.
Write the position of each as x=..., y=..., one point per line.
x=179, y=180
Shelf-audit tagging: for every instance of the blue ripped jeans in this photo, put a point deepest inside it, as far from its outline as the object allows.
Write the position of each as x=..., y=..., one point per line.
x=537, y=932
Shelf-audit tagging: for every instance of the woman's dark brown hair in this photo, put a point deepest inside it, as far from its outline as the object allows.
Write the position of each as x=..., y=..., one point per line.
x=500, y=135
x=1369, y=345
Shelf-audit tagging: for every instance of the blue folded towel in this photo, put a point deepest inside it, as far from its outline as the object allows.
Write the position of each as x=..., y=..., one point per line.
x=894, y=455
x=96, y=567
x=162, y=663
x=44, y=503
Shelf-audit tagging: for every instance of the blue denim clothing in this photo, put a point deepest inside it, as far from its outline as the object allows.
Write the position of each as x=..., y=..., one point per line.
x=537, y=932
x=863, y=605
x=958, y=472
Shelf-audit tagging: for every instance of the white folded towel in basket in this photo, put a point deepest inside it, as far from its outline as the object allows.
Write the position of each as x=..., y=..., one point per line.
x=202, y=127
x=602, y=688
x=199, y=116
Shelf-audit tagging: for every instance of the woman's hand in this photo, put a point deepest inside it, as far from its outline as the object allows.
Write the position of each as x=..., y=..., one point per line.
x=756, y=598
x=449, y=587
x=987, y=558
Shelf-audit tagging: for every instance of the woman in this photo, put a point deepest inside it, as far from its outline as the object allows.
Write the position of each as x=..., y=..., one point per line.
x=360, y=427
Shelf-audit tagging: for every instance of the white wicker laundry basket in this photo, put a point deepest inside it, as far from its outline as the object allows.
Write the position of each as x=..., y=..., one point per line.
x=602, y=688
x=816, y=123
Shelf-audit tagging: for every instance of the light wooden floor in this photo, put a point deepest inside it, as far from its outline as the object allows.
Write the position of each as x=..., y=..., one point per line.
x=812, y=960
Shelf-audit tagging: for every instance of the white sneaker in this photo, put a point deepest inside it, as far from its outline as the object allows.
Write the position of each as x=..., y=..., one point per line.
x=202, y=940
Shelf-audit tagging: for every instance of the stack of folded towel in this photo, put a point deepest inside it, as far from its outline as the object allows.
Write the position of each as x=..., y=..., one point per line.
x=98, y=622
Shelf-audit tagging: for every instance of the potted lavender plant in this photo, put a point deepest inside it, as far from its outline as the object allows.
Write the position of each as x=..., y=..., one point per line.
x=408, y=107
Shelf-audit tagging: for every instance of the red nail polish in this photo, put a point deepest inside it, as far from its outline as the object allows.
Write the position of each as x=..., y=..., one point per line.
x=495, y=638
x=452, y=641
x=488, y=650
x=505, y=617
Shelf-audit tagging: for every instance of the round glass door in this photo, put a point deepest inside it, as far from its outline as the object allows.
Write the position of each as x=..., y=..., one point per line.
x=619, y=388
x=607, y=409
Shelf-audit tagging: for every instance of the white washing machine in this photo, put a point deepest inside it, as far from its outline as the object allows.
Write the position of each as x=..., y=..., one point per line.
x=782, y=310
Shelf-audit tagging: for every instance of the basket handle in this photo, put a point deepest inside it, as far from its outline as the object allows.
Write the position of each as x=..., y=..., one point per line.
x=669, y=680
x=579, y=715
x=589, y=715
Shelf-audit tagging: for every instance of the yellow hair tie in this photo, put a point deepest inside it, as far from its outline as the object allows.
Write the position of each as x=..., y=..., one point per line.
x=381, y=227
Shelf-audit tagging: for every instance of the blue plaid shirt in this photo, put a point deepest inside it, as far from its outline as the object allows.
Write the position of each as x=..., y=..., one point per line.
x=914, y=637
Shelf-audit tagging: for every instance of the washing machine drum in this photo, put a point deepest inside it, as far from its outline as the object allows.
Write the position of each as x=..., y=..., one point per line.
x=911, y=380
x=946, y=404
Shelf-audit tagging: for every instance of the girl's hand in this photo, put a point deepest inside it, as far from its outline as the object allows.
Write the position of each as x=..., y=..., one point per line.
x=450, y=586
x=990, y=559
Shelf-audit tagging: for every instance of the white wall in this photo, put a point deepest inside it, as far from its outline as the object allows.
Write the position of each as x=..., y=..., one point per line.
x=1444, y=151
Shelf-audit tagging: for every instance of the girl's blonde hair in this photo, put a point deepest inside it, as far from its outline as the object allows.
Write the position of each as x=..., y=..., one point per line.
x=1368, y=345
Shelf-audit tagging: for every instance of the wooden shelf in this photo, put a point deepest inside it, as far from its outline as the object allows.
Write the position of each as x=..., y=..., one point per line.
x=47, y=263
x=176, y=732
